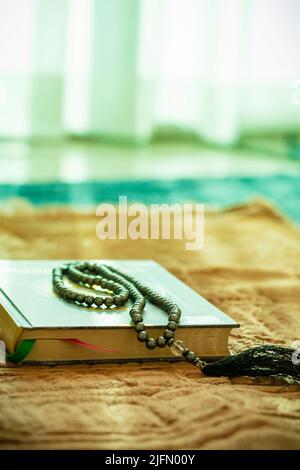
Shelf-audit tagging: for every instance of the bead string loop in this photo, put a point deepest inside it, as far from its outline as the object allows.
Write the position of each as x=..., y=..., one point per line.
x=123, y=287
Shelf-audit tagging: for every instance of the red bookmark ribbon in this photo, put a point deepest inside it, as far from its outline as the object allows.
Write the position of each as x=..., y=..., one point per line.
x=90, y=346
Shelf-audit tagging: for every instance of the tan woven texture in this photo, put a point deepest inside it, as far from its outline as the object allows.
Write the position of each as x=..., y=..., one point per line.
x=249, y=267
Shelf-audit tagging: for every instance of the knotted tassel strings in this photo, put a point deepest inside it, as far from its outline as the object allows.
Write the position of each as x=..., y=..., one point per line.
x=263, y=361
x=266, y=360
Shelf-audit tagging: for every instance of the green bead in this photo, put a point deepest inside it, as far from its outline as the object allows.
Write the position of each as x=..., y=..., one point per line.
x=190, y=356
x=137, y=318
x=141, y=302
x=139, y=326
x=174, y=317
x=98, y=301
x=89, y=300
x=172, y=325
x=109, y=301
x=80, y=298
x=151, y=343
x=175, y=311
x=118, y=301
x=168, y=334
x=134, y=311
x=72, y=296
x=63, y=292
x=142, y=336
x=161, y=342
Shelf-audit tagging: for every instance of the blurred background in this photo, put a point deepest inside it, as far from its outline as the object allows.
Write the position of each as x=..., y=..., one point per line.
x=160, y=100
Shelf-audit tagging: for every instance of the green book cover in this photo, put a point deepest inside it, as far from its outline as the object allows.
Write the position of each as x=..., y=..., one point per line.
x=26, y=293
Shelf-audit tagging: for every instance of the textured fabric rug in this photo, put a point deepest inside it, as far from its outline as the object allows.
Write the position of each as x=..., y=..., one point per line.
x=249, y=267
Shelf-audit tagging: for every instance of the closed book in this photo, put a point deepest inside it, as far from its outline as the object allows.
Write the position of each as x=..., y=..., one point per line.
x=66, y=332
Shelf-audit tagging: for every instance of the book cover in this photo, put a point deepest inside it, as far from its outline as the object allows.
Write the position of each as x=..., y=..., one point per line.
x=32, y=310
x=27, y=287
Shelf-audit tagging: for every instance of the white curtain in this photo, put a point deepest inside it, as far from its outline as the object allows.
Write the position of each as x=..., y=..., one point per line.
x=121, y=69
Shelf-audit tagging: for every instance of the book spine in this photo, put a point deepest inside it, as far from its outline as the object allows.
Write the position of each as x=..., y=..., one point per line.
x=10, y=333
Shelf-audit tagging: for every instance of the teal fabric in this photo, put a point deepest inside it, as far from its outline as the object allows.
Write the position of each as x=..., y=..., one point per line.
x=281, y=190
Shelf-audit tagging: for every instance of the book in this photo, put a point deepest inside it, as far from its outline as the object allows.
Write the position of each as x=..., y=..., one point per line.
x=65, y=332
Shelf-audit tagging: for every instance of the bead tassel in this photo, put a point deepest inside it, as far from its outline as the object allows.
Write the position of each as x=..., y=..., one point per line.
x=266, y=360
